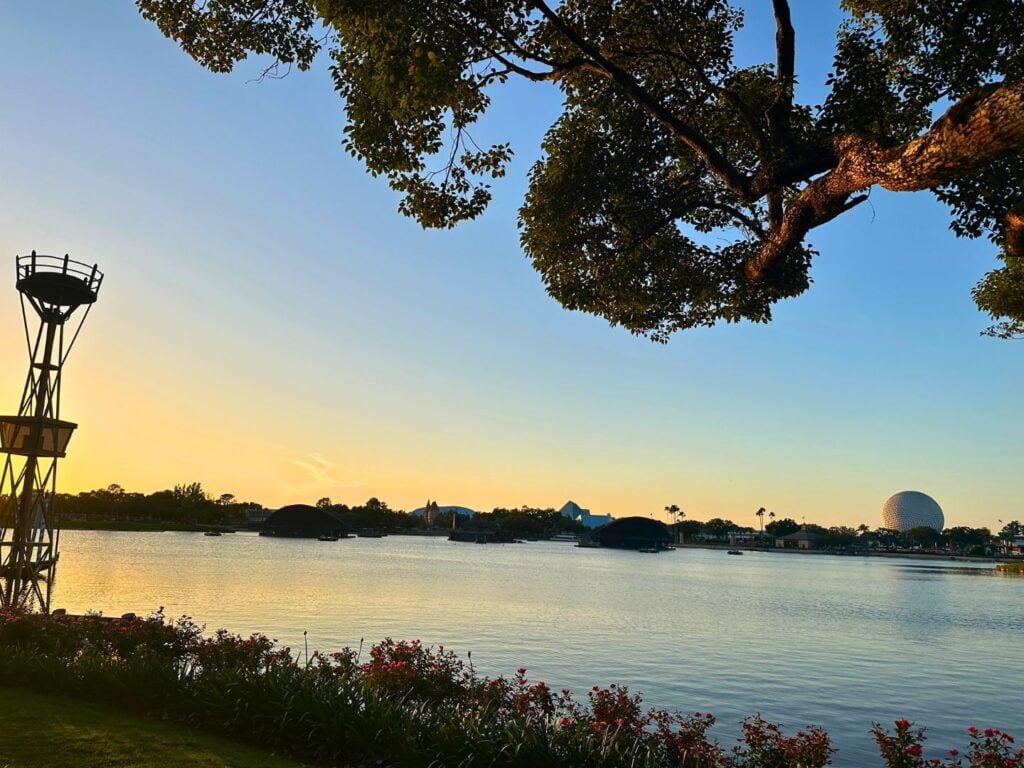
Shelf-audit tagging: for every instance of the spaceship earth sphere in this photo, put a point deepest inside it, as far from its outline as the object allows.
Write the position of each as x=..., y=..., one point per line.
x=912, y=509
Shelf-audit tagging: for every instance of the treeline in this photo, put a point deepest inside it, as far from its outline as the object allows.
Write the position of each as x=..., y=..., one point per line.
x=185, y=505
x=374, y=514
x=529, y=522
x=189, y=505
x=962, y=539
x=519, y=522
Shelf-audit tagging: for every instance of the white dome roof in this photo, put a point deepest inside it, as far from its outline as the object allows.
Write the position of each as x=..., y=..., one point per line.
x=912, y=509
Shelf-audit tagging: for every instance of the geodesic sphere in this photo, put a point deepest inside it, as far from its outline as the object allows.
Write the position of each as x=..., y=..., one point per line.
x=912, y=509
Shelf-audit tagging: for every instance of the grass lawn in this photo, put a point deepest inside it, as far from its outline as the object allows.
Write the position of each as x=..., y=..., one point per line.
x=56, y=732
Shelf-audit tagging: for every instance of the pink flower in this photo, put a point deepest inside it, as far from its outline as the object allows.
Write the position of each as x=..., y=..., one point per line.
x=565, y=722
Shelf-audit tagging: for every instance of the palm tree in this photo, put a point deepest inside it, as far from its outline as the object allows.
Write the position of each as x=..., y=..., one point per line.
x=760, y=513
x=673, y=511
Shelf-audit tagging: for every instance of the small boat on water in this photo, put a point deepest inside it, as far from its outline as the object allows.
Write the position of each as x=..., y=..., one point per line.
x=649, y=550
x=212, y=533
x=327, y=537
x=734, y=552
x=565, y=536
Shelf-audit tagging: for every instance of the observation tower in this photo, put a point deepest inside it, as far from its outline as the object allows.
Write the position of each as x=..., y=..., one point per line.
x=54, y=288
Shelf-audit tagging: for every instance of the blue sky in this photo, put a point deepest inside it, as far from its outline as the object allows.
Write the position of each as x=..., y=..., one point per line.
x=272, y=327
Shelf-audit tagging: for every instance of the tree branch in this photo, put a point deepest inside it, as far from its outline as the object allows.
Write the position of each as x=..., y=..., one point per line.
x=743, y=219
x=715, y=162
x=981, y=127
x=746, y=114
x=785, y=46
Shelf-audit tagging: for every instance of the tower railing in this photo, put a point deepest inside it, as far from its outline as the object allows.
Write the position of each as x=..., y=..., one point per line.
x=37, y=263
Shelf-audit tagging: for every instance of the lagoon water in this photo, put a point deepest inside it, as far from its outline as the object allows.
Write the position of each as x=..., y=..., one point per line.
x=834, y=641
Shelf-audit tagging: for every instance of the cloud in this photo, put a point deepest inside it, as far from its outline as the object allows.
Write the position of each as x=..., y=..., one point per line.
x=321, y=472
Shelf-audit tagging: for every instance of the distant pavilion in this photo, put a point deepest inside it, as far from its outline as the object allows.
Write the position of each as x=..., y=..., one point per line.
x=802, y=539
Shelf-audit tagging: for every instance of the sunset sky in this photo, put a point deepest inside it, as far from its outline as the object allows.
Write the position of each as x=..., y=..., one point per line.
x=271, y=327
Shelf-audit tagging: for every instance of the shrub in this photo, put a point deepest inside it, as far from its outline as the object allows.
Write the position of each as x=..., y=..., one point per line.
x=406, y=706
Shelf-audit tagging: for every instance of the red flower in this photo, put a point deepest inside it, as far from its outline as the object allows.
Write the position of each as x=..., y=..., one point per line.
x=989, y=733
x=914, y=750
x=903, y=724
x=954, y=752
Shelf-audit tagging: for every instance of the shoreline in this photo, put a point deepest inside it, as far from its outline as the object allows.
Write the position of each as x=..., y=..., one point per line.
x=853, y=553
x=114, y=526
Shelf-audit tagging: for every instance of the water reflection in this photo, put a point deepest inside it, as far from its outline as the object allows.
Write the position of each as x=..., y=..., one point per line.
x=838, y=641
x=917, y=570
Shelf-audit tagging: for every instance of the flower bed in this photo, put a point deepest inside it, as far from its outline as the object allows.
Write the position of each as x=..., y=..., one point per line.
x=404, y=704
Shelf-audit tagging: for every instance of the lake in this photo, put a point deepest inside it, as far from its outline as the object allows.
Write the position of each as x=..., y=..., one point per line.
x=803, y=639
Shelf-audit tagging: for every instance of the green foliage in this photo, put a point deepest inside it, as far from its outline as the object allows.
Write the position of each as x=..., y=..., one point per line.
x=923, y=536
x=1001, y=294
x=782, y=527
x=671, y=169
x=185, y=507
x=964, y=537
x=1012, y=530
x=372, y=515
x=220, y=33
x=404, y=706
x=689, y=528
x=719, y=528
x=839, y=536
x=530, y=522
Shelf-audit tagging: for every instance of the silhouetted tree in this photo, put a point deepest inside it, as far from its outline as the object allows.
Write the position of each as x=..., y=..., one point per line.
x=966, y=538
x=783, y=526
x=1012, y=530
x=923, y=536
x=719, y=528
x=678, y=187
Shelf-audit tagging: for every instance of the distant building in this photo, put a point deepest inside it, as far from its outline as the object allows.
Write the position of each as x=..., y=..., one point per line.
x=1013, y=546
x=574, y=511
x=480, y=533
x=301, y=521
x=633, y=533
x=461, y=511
x=750, y=538
x=571, y=510
x=256, y=515
x=802, y=539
